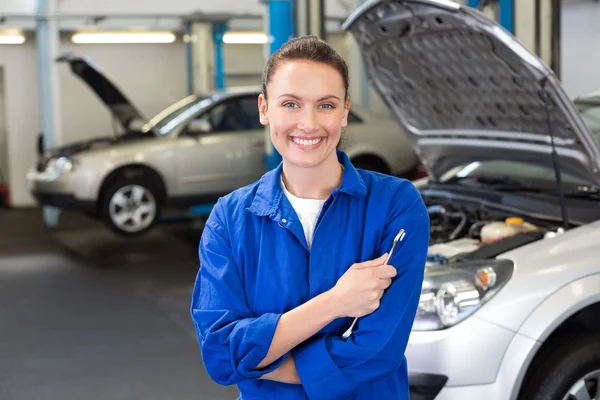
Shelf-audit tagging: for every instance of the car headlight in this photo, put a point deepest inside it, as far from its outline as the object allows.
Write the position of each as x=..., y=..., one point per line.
x=61, y=165
x=453, y=292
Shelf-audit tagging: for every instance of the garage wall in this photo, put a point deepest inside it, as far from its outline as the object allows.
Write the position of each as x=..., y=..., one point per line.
x=580, y=54
x=151, y=76
x=21, y=114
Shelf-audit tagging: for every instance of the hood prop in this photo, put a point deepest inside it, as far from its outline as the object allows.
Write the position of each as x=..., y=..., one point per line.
x=555, y=159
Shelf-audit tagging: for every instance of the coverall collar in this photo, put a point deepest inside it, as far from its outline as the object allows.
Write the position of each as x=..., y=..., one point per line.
x=269, y=192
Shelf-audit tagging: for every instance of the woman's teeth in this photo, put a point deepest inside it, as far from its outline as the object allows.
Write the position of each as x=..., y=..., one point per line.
x=305, y=142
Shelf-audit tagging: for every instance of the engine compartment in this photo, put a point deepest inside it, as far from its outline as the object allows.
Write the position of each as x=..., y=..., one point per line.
x=456, y=230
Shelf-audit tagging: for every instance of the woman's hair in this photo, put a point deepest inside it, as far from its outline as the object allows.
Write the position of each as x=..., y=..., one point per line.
x=306, y=48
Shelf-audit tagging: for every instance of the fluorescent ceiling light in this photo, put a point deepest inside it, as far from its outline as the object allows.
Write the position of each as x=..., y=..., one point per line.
x=11, y=36
x=245, y=38
x=12, y=39
x=123, y=37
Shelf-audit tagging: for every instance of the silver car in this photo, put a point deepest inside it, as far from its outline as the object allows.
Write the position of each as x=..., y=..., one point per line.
x=196, y=150
x=510, y=304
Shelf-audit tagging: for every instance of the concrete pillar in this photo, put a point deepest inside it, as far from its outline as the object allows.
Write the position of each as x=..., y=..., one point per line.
x=203, y=57
x=47, y=40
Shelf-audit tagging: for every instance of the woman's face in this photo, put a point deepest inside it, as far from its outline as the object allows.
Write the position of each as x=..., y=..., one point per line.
x=306, y=111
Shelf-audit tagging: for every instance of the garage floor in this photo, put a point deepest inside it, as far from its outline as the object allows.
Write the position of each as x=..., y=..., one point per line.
x=87, y=315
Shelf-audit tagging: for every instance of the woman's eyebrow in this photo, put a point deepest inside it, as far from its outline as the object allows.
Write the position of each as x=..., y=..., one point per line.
x=329, y=96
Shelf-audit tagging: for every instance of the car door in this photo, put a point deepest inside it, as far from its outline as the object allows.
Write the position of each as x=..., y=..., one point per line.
x=221, y=149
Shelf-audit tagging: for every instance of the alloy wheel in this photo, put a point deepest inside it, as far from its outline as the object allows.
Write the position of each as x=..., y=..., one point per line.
x=132, y=208
x=586, y=388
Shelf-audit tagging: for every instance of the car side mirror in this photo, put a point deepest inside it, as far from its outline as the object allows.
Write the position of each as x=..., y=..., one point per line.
x=200, y=126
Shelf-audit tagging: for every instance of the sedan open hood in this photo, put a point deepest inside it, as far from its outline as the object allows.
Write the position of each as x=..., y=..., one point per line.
x=464, y=89
x=119, y=105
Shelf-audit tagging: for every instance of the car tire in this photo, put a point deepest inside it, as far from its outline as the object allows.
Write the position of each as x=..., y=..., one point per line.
x=130, y=207
x=566, y=365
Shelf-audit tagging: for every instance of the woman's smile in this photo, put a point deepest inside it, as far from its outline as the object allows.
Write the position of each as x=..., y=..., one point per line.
x=306, y=143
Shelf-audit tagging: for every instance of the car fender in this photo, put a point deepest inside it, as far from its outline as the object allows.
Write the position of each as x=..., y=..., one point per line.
x=156, y=157
x=539, y=325
x=559, y=306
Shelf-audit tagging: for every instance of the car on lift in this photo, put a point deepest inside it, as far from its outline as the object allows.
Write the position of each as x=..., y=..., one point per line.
x=193, y=152
x=511, y=296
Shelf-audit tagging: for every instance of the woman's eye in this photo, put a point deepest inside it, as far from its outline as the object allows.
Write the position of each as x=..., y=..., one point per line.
x=328, y=106
x=289, y=105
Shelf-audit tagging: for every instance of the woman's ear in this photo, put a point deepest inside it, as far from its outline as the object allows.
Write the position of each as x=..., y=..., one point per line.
x=347, y=104
x=262, y=109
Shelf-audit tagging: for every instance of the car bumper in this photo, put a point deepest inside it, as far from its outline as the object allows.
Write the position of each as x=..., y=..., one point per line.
x=66, y=191
x=474, y=359
x=425, y=386
x=65, y=202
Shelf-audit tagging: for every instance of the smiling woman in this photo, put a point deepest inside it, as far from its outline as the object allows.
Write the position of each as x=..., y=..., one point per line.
x=287, y=263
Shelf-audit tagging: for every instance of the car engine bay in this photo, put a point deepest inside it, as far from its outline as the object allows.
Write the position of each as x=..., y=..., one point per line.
x=473, y=231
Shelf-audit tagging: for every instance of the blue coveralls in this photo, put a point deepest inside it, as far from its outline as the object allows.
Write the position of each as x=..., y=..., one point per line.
x=255, y=265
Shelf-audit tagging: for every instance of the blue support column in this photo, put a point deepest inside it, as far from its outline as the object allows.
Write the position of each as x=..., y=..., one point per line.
x=473, y=3
x=506, y=18
x=281, y=29
x=189, y=61
x=218, y=32
x=46, y=43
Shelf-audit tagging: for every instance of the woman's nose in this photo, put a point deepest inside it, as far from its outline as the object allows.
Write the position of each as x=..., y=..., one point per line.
x=308, y=121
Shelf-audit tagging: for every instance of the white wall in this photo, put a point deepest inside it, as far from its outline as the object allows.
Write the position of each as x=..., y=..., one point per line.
x=18, y=6
x=580, y=52
x=152, y=77
x=3, y=142
x=21, y=114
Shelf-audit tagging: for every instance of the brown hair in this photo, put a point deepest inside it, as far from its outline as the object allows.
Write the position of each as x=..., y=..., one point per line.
x=307, y=48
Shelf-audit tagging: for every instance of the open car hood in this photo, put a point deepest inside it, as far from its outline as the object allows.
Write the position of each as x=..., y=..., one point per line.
x=119, y=105
x=464, y=89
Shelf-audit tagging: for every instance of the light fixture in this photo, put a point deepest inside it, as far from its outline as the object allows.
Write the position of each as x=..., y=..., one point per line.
x=122, y=37
x=245, y=38
x=11, y=36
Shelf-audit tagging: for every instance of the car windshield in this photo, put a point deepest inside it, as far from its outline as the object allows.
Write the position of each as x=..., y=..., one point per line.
x=515, y=176
x=171, y=117
x=590, y=113
x=520, y=175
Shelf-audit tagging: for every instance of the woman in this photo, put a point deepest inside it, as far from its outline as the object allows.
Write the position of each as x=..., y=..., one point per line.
x=289, y=261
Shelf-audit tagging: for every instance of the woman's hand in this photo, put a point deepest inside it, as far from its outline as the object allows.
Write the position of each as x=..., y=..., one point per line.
x=358, y=292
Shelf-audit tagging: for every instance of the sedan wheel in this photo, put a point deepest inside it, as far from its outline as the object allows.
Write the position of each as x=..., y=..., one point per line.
x=587, y=388
x=130, y=208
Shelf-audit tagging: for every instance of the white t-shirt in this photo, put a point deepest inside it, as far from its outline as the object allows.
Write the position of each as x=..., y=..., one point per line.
x=308, y=211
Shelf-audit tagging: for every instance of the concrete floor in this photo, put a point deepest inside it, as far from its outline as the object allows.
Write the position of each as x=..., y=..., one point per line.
x=88, y=315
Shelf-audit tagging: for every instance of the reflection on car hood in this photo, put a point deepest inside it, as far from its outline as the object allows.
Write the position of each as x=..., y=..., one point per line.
x=96, y=143
x=119, y=105
x=463, y=88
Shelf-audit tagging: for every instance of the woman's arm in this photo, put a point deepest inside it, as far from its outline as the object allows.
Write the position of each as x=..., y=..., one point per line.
x=332, y=368
x=357, y=293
